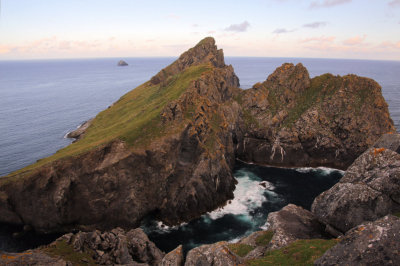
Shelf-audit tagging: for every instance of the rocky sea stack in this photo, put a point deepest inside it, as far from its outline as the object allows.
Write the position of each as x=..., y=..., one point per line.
x=122, y=63
x=167, y=150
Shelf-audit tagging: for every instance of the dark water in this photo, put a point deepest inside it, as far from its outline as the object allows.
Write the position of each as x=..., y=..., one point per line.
x=40, y=101
x=248, y=211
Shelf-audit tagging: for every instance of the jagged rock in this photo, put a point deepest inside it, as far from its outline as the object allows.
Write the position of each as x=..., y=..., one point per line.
x=217, y=254
x=78, y=133
x=292, y=223
x=31, y=257
x=117, y=246
x=373, y=243
x=292, y=120
x=251, y=239
x=370, y=189
x=173, y=258
x=122, y=63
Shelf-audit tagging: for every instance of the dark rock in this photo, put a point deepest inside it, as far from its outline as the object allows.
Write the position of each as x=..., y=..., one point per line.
x=292, y=223
x=370, y=189
x=173, y=258
x=122, y=63
x=373, y=243
x=217, y=254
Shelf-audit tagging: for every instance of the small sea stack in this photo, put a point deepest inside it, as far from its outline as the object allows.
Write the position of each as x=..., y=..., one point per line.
x=122, y=63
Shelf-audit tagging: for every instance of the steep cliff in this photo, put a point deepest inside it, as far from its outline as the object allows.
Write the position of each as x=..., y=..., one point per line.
x=292, y=120
x=167, y=148
x=164, y=149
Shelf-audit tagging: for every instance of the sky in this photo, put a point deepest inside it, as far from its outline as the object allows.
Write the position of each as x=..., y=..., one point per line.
x=46, y=29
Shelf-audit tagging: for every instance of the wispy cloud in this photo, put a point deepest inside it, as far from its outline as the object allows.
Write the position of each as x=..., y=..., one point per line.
x=242, y=27
x=195, y=25
x=315, y=25
x=321, y=39
x=282, y=31
x=357, y=40
x=394, y=3
x=328, y=3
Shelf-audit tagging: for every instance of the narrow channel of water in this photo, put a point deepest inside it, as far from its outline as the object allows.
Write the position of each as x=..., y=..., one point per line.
x=260, y=190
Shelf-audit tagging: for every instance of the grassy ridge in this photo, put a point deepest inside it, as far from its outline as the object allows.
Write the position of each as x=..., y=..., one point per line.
x=134, y=118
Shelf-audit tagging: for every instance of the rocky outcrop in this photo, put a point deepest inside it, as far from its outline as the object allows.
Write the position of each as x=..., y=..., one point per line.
x=122, y=63
x=373, y=243
x=173, y=258
x=101, y=248
x=217, y=254
x=78, y=133
x=292, y=223
x=292, y=120
x=370, y=189
x=167, y=148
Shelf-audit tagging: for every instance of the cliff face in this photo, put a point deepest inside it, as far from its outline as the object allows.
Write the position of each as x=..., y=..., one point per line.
x=176, y=166
x=292, y=120
x=168, y=147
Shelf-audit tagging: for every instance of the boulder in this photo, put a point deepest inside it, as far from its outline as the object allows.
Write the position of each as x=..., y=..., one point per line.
x=389, y=141
x=371, y=243
x=30, y=257
x=173, y=258
x=217, y=254
x=370, y=189
x=292, y=223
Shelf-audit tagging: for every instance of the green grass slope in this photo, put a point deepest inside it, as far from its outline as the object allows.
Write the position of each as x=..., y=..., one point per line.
x=134, y=118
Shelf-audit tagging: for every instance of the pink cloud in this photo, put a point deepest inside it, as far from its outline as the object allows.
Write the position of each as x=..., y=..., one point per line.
x=357, y=40
x=320, y=39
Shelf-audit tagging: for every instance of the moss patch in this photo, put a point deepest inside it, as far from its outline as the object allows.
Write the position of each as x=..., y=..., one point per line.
x=397, y=214
x=240, y=249
x=264, y=238
x=300, y=252
x=66, y=252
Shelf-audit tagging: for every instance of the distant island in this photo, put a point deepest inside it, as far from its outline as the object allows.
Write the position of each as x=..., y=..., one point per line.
x=122, y=63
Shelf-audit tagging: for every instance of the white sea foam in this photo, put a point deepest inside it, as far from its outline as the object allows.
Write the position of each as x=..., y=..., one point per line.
x=248, y=195
x=323, y=170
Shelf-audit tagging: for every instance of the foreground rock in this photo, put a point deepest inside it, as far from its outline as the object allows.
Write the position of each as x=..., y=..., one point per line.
x=217, y=254
x=167, y=148
x=373, y=243
x=101, y=248
x=292, y=223
x=370, y=189
x=173, y=258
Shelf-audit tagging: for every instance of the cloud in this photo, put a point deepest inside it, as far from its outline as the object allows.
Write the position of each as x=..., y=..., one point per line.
x=242, y=27
x=357, y=40
x=328, y=3
x=389, y=45
x=394, y=3
x=195, y=25
x=282, y=30
x=315, y=25
x=321, y=39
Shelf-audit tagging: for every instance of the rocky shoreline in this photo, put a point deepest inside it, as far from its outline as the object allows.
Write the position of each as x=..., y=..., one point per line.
x=179, y=166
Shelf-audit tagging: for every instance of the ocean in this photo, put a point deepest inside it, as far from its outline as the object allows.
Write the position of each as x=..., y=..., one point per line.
x=42, y=100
